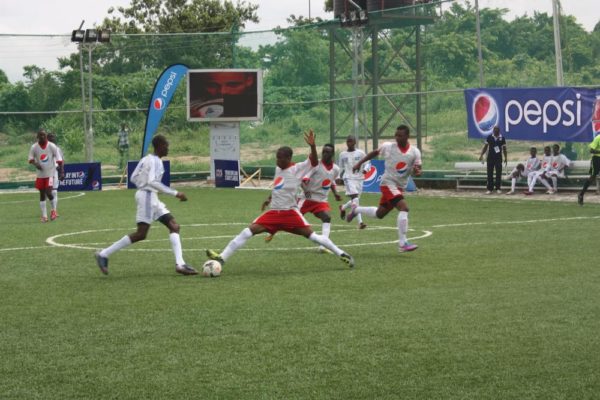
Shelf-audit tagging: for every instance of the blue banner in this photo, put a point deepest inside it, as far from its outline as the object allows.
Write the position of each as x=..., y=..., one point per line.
x=166, y=179
x=84, y=176
x=161, y=97
x=562, y=114
x=227, y=173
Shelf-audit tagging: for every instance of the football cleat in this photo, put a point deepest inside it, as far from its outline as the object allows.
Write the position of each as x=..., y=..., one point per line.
x=488, y=192
x=342, y=213
x=407, y=247
x=362, y=225
x=185, y=269
x=580, y=199
x=44, y=219
x=269, y=237
x=352, y=214
x=510, y=192
x=499, y=191
x=528, y=193
x=347, y=258
x=53, y=215
x=102, y=263
x=214, y=255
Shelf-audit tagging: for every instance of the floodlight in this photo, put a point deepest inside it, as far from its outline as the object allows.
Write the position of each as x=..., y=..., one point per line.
x=91, y=35
x=77, y=35
x=104, y=36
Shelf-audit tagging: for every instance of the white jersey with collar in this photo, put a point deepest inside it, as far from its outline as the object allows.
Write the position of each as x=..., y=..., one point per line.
x=317, y=183
x=148, y=174
x=398, y=163
x=546, y=163
x=532, y=164
x=348, y=159
x=286, y=184
x=47, y=157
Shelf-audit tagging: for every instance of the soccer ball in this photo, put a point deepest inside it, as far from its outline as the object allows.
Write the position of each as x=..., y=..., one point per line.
x=211, y=268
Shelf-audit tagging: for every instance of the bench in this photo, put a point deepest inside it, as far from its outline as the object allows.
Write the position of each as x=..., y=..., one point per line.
x=473, y=175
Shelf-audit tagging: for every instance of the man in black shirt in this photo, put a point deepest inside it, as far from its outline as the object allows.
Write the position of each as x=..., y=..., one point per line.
x=495, y=145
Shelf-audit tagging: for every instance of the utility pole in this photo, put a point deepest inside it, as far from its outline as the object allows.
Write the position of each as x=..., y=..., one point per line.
x=479, y=54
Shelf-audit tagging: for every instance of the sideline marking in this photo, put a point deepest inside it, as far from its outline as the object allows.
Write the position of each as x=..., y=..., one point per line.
x=31, y=201
x=530, y=221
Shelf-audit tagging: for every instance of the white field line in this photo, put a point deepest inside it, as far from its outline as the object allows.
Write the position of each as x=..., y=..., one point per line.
x=36, y=199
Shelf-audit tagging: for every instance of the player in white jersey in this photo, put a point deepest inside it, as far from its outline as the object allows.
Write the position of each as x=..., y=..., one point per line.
x=45, y=157
x=353, y=180
x=540, y=174
x=557, y=167
x=56, y=180
x=401, y=160
x=527, y=170
x=147, y=177
x=283, y=214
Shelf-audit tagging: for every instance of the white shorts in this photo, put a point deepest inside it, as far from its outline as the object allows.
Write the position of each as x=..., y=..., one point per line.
x=149, y=207
x=558, y=174
x=55, y=182
x=353, y=186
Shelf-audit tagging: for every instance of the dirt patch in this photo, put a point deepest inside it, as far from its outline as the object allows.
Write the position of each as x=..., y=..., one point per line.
x=15, y=174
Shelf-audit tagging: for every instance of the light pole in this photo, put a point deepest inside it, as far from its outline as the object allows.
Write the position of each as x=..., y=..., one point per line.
x=88, y=39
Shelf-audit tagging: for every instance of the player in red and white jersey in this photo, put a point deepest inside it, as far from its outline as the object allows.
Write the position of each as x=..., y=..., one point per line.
x=284, y=214
x=353, y=180
x=540, y=174
x=557, y=167
x=56, y=180
x=526, y=170
x=45, y=157
x=401, y=160
x=147, y=177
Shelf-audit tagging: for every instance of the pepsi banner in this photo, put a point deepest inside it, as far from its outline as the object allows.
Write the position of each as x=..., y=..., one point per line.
x=166, y=178
x=84, y=176
x=161, y=97
x=562, y=114
x=227, y=173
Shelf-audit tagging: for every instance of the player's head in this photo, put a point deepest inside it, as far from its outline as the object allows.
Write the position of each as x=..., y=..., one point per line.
x=547, y=150
x=533, y=152
x=218, y=84
x=496, y=130
x=42, y=137
x=284, y=157
x=556, y=149
x=123, y=126
x=51, y=137
x=161, y=145
x=401, y=135
x=351, y=142
x=520, y=167
x=327, y=153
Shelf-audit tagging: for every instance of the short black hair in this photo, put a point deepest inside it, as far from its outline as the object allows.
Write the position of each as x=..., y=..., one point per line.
x=286, y=150
x=403, y=128
x=329, y=145
x=158, y=140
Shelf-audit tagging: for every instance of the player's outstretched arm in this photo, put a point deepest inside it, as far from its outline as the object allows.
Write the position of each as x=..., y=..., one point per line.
x=366, y=158
x=310, y=139
x=181, y=196
x=265, y=204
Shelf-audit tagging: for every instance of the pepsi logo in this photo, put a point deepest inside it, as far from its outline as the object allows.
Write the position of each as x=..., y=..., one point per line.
x=401, y=167
x=554, y=165
x=544, y=164
x=95, y=185
x=278, y=183
x=44, y=158
x=370, y=175
x=326, y=184
x=158, y=103
x=485, y=113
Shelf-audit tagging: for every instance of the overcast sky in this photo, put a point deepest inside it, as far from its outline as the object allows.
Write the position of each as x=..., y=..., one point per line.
x=62, y=16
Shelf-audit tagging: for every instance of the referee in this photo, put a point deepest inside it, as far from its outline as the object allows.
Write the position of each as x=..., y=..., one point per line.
x=594, y=167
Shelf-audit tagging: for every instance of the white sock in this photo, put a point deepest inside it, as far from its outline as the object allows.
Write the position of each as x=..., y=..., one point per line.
x=529, y=179
x=326, y=229
x=358, y=216
x=367, y=211
x=326, y=242
x=116, y=246
x=43, y=208
x=545, y=183
x=176, y=246
x=347, y=204
x=554, y=183
x=55, y=199
x=513, y=183
x=402, y=223
x=236, y=243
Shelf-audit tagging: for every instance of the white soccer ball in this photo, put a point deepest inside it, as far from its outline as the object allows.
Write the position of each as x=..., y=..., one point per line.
x=211, y=268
